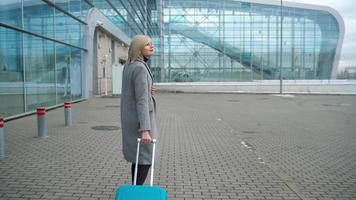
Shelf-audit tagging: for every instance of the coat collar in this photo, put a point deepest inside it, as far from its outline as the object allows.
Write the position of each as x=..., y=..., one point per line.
x=148, y=69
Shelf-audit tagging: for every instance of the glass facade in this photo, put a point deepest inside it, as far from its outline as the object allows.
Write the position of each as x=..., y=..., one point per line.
x=239, y=41
x=42, y=48
x=40, y=53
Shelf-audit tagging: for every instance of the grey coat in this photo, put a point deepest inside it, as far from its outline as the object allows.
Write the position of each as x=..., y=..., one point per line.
x=138, y=111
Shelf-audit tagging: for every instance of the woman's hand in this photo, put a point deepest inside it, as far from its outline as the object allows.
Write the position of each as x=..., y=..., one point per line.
x=153, y=90
x=146, y=137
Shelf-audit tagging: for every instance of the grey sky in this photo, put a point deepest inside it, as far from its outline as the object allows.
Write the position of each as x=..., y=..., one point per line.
x=347, y=9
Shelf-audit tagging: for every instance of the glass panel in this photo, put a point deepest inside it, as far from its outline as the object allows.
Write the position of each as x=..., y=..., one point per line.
x=11, y=73
x=63, y=72
x=75, y=7
x=38, y=17
x=76, y=74
x=39, y=63
x=62, y=31
x=10, y=12
x=63, y=4
x=67, y=29
x=68, y=72
x=75, y=32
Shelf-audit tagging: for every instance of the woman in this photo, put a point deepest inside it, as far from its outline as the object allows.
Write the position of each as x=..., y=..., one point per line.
x=138, y=107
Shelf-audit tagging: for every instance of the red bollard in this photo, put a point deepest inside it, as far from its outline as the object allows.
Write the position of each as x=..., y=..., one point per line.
x=2, y=141
x=41, y=122
x=67, y=105
x=1, y=122
x=68, y=113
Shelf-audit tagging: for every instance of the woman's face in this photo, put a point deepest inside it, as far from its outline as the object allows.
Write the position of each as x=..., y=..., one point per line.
x=148, y=50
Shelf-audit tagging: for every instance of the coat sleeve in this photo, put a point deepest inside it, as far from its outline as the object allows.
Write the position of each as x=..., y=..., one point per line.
x=142, y=94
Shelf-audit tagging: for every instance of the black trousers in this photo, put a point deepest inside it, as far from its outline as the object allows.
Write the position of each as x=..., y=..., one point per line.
x=141, y=173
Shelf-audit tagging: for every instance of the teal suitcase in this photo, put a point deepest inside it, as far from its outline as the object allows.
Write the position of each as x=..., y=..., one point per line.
x=141, y=192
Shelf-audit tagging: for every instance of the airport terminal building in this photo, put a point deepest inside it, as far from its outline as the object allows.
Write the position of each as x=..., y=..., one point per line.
x=52, y=51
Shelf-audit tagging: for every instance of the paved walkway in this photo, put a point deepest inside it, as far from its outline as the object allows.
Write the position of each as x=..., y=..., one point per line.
x=214, y=146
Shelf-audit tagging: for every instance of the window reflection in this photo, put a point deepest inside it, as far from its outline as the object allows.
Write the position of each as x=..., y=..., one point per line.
x=11, y=73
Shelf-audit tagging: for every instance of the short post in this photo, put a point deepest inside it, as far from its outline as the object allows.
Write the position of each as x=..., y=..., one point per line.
x=2, y=141
x=41, y=122
x=68, y=114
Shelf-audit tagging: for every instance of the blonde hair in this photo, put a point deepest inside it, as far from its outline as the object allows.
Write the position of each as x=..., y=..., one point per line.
x=137, y=44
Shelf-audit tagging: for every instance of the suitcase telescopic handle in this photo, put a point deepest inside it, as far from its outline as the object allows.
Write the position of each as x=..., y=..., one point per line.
x=153, y=141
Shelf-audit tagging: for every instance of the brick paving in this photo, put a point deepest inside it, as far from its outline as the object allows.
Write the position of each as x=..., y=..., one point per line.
x=213, y=146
